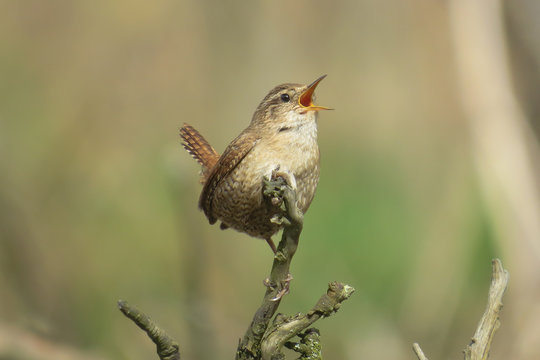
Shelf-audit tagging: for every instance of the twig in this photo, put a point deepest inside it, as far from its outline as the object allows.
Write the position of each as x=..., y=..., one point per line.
x=284, y=328
x=481, y=341
x=419, y=353
x=260, y=341
x=309, y=346
x=478, y=349
x=167, y=348
x=249, y=346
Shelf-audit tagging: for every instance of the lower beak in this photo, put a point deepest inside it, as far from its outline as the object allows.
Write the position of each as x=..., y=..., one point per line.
x=306, y=99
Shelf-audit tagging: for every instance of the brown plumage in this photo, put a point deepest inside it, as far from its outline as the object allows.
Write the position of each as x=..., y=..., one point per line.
x=197, y=146
x=282, y=137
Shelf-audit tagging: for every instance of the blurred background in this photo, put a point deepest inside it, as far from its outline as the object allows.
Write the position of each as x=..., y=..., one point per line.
x=429, y=170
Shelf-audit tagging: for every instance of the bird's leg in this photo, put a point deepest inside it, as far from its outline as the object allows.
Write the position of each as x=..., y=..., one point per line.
x=270, y=242
x=284, y=287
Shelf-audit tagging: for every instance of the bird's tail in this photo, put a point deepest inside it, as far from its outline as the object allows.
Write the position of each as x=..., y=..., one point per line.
x=197, y=146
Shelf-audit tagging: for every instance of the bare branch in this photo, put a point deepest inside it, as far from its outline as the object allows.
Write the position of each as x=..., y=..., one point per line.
x=309, y=346
x=249, y=346
x=481, y=341
x=478, y=349
x=418, y=351
x=166, y=347
x=284, y=328
x=260, y=341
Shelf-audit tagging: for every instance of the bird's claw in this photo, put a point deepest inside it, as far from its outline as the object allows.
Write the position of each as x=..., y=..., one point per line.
x=284, y=287
x=273, y=189
x=268, y=283
x=286, y=176
x=280, y=220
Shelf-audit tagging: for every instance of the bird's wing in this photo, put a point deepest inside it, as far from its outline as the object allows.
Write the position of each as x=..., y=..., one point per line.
x=232, y=156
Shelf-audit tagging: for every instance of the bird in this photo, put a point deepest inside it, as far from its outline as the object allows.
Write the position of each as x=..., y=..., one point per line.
x=280, y=140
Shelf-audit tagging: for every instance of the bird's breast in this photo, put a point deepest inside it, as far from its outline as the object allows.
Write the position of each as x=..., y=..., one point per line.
x=238, y=199
x=294, y=151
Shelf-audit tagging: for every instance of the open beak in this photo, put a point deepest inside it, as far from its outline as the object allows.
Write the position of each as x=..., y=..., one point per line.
x=306, y=99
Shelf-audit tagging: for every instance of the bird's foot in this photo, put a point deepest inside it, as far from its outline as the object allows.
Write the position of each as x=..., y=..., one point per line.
x=288, y=176
x=273, y=189
x=280, y=219
x=280, y=190
x=284, y=287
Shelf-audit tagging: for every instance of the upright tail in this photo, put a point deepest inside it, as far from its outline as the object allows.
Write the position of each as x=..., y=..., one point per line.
x=199, y=149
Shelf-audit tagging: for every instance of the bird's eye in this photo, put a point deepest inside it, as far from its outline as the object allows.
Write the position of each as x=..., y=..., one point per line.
x=285, y=97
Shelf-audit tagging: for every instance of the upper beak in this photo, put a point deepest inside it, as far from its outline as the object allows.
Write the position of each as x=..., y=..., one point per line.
x=306, y=100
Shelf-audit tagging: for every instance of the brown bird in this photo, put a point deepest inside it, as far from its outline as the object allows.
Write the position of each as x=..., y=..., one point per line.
x=280, y=140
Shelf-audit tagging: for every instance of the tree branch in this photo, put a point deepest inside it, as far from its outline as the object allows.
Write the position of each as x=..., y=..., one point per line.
x=285, y=328
x=167, y=348
x=309, y=346
x=481, y=340
x=260, y=341
x=278, y=281
x=478, y=349
x=418, y=351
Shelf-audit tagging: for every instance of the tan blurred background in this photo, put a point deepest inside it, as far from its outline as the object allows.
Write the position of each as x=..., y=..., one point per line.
x=429, y=170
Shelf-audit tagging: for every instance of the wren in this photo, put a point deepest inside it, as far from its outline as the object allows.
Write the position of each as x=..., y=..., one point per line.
x=281, y=140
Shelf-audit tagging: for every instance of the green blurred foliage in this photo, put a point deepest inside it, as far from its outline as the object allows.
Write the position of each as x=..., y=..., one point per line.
x=98, y=201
